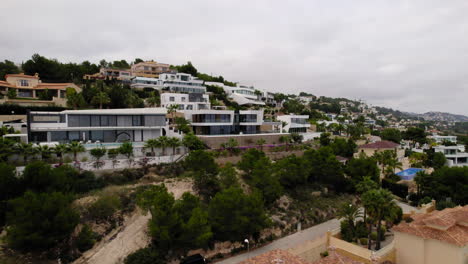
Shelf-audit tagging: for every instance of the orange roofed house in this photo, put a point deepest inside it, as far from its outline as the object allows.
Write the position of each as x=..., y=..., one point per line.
x=379, y=146
x=439, y=237
x=29, y=87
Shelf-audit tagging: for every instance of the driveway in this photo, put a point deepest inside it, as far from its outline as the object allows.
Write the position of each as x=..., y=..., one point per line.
x=287, y=242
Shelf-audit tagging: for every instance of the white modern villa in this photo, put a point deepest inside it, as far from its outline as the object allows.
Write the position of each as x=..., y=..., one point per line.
x=223, y=122
x=182, y=83
x=146, y=82
x=191, y=101
x=241, y=94
x=456, y=155
x=295, y=123
x=440, y=139
x=173, y=82
x=97, y=126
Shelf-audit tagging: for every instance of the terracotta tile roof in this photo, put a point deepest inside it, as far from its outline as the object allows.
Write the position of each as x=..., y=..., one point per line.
x=336, y=258
x=277, y=256
x=22, y=75
x=6, y=84
x=449, y=225
x=384, y=144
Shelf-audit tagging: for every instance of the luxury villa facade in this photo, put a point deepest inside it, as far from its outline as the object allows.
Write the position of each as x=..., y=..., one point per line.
x=106, y=125
x=295, y=123
x=29, y=87
x=191, y=101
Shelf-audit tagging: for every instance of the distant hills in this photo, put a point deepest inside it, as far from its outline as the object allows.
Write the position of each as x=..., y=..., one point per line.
x=441, y=116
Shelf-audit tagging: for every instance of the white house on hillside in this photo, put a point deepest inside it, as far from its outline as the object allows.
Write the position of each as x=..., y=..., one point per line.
x=191, y=101
x=295, y=123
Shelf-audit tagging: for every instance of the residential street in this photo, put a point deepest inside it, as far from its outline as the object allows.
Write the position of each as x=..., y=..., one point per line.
x=288, y=241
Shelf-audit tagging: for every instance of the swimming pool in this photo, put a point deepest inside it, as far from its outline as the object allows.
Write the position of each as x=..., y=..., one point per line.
x=408, y=174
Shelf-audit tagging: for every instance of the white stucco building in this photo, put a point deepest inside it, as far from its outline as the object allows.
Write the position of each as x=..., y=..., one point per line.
x=191, y=101
x=295, y=123
x=455, y=155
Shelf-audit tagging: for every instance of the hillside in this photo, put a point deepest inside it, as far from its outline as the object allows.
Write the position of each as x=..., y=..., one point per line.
x=442, y=116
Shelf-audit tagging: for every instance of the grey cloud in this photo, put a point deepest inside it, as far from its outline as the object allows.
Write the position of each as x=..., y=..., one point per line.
x=411, y=55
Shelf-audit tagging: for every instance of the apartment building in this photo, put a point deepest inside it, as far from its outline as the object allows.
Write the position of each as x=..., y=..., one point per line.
x=150, y=69
x=455, y=155
x=295, y=123
x=110, y=74
x=433, y=238
x=146, y=83
x=440, y=139
x=29, y=87
x=191, y=101
x=182, y=83
x=105, y=125
x=224, y=122
x=242, y=94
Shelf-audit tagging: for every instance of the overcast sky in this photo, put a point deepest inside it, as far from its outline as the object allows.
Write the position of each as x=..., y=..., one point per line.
x=411, y=55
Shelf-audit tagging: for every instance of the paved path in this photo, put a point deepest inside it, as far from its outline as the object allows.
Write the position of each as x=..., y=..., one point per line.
x=288, y=241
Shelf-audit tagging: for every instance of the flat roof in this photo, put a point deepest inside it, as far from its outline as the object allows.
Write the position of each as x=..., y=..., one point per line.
x=122, y=111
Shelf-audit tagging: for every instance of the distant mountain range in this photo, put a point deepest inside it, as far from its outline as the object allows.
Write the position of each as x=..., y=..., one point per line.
x=441, y=116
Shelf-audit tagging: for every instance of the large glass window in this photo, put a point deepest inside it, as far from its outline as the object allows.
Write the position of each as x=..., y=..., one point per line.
x=104, y=120
x=95, y=121
x=59, y=136
x=124, y=121
x=39, y=136
x=97, y=135
x=112, y=120
x=85, y=120
x=73, y=121
x=211, y=118
x=109, y=136
x=74, y=135
x=137, y=120
x=155, y=120
x=252, y=118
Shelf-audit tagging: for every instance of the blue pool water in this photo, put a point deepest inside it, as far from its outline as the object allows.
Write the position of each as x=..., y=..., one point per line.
x=408, y=174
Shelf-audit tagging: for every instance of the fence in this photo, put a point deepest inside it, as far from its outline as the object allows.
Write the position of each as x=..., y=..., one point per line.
x=358, y=253
x=117, y=164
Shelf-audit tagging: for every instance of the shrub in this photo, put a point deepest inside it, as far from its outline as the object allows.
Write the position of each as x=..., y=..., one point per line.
x=363, y=241
x=144, y=256
x=86, y=239
x=361, y=229
x=408, y=219
x=441, y=205
x=104, y=207
x=324, y=254
x=425, y=200
x=373, y=236
x=346, y=231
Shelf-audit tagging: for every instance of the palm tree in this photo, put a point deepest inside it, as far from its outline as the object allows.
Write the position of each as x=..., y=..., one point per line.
x=393, y=163
x=25, y=150
x=59, y=150
x=7, y=147
x=75, y=147
x=101, y=98
x=260, y=143
x=171, y=110
x=163, y=143
x=350, y=213
x=152, y=144
x=45, y=151
x=364, y=186
x=379, y=205
x=174, y=143
x=153, y=100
